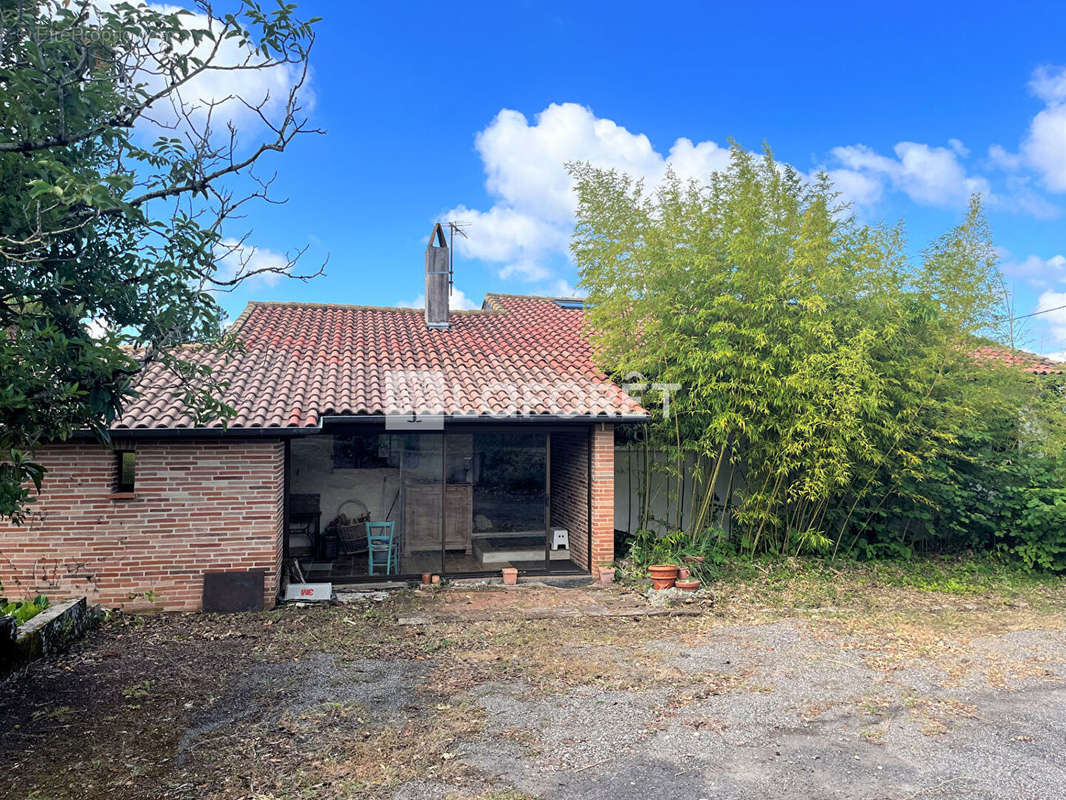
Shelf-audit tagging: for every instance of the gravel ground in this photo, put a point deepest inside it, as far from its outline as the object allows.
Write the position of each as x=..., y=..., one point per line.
x=950, y=700
x=805, y=720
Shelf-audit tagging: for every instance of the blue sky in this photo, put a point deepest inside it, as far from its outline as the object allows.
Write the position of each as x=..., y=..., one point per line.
x=439, y=111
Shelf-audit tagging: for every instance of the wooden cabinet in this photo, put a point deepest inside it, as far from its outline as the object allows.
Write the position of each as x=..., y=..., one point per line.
x=421, y=517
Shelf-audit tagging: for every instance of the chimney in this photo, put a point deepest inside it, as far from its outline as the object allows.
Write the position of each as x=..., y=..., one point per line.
x=438, y=278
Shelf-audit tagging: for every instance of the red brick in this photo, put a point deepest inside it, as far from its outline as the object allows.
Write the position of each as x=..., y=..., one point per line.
x=78, y=540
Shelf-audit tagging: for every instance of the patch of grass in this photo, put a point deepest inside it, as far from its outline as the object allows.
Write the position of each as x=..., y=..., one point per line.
x=803, y=583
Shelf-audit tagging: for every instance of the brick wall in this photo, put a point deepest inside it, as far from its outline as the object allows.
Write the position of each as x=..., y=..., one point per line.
x=198, y=506
x=569, y=492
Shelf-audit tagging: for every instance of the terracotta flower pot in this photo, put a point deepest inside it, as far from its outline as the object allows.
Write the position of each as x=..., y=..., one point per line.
x=427, y=578
x=510, y=576
x=684, y=573
x=688, y=585
x=662, y=575
x=606, y=574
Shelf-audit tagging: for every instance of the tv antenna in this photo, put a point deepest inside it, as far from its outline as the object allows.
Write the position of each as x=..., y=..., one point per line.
x=454, y=227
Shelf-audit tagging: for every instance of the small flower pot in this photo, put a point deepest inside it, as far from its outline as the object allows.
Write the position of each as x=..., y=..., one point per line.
x=435, y=579
x=510, y=576
x=684, y=573
x=427, y=578
x=687, y=585
x=607, y=575
x=662, y=575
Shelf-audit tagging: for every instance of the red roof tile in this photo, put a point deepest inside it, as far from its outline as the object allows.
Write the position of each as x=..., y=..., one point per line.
x=524, y=356
x=1027, y=362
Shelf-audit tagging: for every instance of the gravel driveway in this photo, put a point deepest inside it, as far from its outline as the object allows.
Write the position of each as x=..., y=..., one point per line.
x=804, y=718
x=954, y=698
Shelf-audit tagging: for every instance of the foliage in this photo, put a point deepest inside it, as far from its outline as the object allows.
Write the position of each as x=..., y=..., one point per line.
x=117, y=185
x=23, y=610
x=829, y=394
x=646, y=547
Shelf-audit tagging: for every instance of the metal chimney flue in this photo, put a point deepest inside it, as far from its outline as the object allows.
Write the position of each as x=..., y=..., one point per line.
x=438, y=279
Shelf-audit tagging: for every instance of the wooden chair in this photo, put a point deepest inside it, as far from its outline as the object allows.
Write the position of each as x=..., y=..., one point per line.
x=379, y=540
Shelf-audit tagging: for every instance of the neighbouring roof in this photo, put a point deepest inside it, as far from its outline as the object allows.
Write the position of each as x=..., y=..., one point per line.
x=516, y=357
x=1027, y=362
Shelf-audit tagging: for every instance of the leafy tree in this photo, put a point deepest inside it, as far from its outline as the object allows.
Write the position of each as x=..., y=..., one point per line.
x=829, y=386
x=121, y=169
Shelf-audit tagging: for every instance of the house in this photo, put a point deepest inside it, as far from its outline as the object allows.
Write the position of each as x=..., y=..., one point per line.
x=483, y=439
x=1022, y=359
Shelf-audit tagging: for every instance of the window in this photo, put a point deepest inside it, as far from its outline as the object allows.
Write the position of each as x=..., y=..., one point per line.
x=125, y=468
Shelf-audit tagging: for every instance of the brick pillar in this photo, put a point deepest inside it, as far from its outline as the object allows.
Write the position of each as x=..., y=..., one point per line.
x=602, y=494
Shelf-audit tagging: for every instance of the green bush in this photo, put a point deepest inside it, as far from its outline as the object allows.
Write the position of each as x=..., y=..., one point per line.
x=23, y=610
x=646, y=547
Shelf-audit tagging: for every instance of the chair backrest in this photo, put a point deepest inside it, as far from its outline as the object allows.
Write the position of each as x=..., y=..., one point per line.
x=379, y=532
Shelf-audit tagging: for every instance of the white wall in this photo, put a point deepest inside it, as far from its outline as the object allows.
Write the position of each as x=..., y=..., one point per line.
x=312, y=472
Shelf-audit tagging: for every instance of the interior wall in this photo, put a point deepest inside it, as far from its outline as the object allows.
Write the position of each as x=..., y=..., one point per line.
x=312, y=472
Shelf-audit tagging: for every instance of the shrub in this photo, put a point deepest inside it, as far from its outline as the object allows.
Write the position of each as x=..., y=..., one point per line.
x=23, y=610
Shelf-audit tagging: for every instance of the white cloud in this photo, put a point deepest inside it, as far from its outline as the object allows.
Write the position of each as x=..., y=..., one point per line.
x=856, y=188
x=928, y=175
x=1037, y=271
x=1044, y=148
x=525, y=270
x=506, y=234
x=235, y=258
x=525, y=231
x=532, y=216
x=697, y=161
x=220, y=85
x=1002, y=159
x=1022, y=197
x=457, y=302
x=1051, y=307
x=1049, y=83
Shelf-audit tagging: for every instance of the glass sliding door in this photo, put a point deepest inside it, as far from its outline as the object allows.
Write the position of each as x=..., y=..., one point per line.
x=367, y=504
x=508, y=488
x=338, y=483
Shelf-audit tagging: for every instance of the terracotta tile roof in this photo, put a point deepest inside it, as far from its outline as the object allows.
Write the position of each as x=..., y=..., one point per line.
x=1027, y=362
x=302, y=362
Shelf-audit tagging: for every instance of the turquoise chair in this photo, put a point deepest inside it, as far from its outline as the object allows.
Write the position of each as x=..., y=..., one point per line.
x=379, y=542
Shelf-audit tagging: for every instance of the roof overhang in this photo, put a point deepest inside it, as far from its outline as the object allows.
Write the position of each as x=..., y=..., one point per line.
x=343, y=420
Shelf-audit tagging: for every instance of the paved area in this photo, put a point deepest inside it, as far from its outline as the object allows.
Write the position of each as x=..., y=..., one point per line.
x=965, y=700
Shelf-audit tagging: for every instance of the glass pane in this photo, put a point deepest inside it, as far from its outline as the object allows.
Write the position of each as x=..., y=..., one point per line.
x=508, y=492
x=337, y=484
x=127, y=470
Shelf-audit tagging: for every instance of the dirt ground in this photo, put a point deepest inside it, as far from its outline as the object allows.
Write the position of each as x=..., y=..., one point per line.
x=840, y=688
